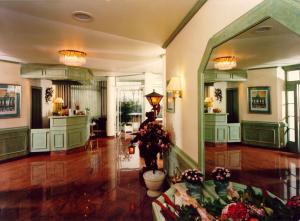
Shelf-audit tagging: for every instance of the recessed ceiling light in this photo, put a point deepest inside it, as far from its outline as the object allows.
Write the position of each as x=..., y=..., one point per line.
x=263, y=29
x=82, y=16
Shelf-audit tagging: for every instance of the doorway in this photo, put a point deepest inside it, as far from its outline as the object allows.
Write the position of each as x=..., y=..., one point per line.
x=36, y=108
x=232, y=105
x=293, y=114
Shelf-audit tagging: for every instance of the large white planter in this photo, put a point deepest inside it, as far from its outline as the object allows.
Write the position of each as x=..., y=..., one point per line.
x=154, y=182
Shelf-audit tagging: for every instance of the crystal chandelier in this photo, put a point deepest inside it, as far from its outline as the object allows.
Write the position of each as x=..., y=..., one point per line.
x=72, y=57
x=225, y=63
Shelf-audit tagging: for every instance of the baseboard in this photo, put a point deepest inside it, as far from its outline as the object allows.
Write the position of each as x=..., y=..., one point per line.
x=177, y=159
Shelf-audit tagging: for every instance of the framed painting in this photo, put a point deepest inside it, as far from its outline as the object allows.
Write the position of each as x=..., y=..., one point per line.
x=170, y=102
x=259, y=100
x=10, y=100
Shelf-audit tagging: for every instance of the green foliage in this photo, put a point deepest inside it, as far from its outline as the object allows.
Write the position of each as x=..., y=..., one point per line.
x=214, y=207
x=128, y=107
x=280, y=211
x=188, y=213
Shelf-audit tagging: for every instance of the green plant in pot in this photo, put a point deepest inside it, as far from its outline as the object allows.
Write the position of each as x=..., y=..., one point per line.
x=152, y=139
x=221, y=178
x=128, y=107
x=194, y=182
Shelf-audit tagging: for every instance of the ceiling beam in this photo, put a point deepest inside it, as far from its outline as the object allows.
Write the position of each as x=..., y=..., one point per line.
x=184, y=21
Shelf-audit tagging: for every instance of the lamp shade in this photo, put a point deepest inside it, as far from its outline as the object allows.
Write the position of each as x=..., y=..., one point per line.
x=154, y=98
x=174, y=84
x=59, y=100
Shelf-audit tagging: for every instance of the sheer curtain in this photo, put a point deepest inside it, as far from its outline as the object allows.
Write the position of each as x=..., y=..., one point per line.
x=92, y=96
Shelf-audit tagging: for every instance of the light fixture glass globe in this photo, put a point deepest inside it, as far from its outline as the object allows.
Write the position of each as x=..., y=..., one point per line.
x=72, y=57
x=225, y=63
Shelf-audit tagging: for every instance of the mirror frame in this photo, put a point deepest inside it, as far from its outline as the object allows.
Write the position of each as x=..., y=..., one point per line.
x=286, y=12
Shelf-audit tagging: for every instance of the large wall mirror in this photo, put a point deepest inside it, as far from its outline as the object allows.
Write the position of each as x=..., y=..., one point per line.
x=252, y=108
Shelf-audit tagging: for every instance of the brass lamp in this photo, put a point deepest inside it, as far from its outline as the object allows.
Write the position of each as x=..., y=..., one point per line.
x=59, y=103
x=174, y=86
x=154, y=100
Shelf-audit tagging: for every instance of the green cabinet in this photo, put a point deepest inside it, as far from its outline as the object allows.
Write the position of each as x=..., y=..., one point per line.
x=39, y=140
x=213, y=75
x=68, y=132
x=266, y=134
x=65, y=133
x=215, y=127
x=234, y=132
x=217, y=130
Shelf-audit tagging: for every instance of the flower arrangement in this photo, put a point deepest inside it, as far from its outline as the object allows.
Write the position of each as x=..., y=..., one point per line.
x=221, y=174
x=152, y=139
x=235, y=212
x=294, y=205
x=193, y=176
x=251, y=204
x=209, y=101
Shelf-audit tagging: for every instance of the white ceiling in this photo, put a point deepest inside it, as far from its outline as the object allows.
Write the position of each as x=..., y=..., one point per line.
x=276, y=47
x=124, y=36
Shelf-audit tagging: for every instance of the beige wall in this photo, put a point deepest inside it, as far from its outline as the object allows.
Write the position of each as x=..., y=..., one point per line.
x=272, y=77
x=183, y=57
x=217, y=104
x=10, y=74
x=46, y=107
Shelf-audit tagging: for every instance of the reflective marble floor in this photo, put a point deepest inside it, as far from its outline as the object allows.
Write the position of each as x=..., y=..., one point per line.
x=99, y=185
x=276, y=171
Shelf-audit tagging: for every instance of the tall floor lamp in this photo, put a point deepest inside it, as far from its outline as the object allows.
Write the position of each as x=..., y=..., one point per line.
x=154, y=100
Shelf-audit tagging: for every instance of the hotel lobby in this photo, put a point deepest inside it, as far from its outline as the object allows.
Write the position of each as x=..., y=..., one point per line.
x=149, y=110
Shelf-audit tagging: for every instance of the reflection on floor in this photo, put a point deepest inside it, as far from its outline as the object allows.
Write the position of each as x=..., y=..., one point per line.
x=99, y=185
x=276, y=171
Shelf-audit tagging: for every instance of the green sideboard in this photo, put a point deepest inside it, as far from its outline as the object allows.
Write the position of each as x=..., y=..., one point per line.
x=65, y=133
x=266, y=134
x=13, y=142
x=217, y=130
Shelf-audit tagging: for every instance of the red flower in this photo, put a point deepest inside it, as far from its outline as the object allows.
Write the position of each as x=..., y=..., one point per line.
x=294, y=202
x=235, y=211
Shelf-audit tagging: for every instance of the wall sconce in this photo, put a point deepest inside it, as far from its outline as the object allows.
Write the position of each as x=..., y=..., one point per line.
x=174, y=86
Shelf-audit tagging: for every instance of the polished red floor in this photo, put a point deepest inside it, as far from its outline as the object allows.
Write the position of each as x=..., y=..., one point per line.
x=274, y=170
x=100, y=185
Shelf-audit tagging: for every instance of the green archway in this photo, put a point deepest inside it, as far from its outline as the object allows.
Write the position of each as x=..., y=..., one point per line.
x=286, y=12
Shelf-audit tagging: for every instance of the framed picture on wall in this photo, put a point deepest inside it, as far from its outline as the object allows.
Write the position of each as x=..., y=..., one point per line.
x=259, y=100
x=10, y=100
x=170, y=102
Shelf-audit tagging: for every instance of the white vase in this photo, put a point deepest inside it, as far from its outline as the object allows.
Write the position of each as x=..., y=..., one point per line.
x=154, y=182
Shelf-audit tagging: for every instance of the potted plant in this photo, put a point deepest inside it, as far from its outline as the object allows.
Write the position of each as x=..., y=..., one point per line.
x=221, y=178
x=193, y=181
x=152, y=139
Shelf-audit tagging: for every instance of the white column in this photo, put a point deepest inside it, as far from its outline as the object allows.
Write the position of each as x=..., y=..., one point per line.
x=111, y=106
